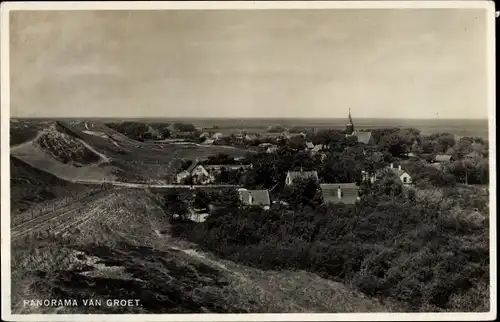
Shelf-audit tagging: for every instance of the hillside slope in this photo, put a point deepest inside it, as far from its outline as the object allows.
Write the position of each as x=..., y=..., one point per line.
x=30, y=186
x=125, y=251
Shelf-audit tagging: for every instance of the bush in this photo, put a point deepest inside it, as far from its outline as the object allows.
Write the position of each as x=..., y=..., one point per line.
x=388, y=247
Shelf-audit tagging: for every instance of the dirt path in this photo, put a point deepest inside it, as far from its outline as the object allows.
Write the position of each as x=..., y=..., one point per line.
x=104, y=158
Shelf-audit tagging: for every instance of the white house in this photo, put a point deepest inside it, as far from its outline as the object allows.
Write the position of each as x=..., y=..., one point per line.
x=196, y=171
x=399, y=172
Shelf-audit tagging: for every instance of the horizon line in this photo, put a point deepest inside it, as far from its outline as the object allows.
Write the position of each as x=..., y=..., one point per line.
x=239, y=117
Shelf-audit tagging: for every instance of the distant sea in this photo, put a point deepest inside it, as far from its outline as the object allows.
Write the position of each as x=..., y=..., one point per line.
x=459, y=127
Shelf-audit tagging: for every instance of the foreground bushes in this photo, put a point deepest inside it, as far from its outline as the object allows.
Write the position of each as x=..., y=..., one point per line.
x=426, y=256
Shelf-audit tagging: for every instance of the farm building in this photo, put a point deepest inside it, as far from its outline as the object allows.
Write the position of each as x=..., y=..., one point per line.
x=258, y=198
x=197, y=172
x=304, y=175
x=346, y=193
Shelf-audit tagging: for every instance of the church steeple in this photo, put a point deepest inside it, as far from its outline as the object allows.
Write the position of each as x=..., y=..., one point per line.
x=350, y=125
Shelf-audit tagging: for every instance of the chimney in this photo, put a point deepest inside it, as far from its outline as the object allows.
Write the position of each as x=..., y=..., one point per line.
x=399, y=167
x=392, y=165
x=339, y=193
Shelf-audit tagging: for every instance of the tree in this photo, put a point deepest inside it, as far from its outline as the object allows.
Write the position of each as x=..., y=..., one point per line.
x=304, y=192
x=184, y=127
x=174, y=204
x=165, y=133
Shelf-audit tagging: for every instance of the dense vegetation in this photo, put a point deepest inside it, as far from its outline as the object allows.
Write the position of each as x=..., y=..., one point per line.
x=429, y=252
x=65, y=148
x=425, y=246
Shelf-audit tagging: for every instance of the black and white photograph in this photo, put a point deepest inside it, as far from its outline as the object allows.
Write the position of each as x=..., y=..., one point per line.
x=208, y=159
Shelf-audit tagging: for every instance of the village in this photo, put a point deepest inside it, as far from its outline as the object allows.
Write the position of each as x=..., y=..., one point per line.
x=209, y=171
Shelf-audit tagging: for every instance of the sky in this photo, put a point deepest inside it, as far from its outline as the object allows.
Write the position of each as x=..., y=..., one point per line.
x=380, y=63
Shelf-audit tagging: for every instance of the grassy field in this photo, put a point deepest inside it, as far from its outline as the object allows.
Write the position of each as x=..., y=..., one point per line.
x=125, y=251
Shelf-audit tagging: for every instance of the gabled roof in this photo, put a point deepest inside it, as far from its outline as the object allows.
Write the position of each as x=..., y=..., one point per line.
x=397, y=172
x=349, y=192
x=442, y=158
x=302, y=175
x=258, y=197
x=192, y=166
x=363, y=137
x=309, y=145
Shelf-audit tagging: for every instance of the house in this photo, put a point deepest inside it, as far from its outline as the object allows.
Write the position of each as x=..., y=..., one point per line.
x=272, y=149
x=217, y=136
x=309, y=145
x=346, y=193
x=208, y=142
x=443, y=158
x=291, y=176
x=204, y=135
x=404, y=176
x=362, y=136
x=401, y=174
x=259, y=198
x=197, y=172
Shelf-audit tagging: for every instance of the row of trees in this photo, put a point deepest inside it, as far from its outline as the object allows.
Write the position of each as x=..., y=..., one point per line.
x=147, y=131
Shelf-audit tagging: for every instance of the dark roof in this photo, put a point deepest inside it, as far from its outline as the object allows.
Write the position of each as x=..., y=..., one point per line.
x=397, y=172
x=255, y=197
x=349, y=192
x=442, y=158
x=363, y=137
x=302, y=175
x=192, y=167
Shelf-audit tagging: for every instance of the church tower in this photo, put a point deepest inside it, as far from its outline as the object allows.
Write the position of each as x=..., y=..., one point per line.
x=349, y=126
